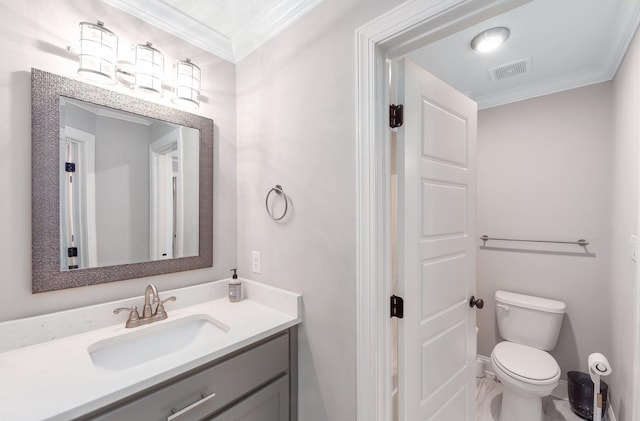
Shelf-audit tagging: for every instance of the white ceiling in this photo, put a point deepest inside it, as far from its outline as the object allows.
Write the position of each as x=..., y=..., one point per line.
x=571, y=43
x=230, y=29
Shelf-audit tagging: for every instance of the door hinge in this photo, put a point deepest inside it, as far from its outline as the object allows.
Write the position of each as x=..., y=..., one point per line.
x=397, y=307
x=396, y=116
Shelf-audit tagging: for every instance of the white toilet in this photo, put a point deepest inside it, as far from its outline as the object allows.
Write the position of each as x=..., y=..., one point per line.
x=530, y=326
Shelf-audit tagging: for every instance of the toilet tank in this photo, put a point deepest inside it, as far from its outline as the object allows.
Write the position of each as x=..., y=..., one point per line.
x=529, y=320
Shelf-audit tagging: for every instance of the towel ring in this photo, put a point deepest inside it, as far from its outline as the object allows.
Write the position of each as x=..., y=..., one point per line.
x=279, y=192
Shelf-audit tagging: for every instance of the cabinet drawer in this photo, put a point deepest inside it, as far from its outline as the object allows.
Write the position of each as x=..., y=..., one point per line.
x=271, y=403
x=228, y=380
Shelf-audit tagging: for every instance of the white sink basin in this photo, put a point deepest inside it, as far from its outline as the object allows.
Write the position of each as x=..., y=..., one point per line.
x=142, y=344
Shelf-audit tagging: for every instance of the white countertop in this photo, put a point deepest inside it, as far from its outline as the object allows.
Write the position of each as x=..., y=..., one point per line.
x=57, y=379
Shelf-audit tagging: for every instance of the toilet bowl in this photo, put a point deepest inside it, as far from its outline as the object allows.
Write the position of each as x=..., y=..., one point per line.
x=531, y=326
x=527, y=375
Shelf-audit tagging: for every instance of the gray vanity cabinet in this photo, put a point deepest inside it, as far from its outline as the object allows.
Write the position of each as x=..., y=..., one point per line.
x=252, y=384
x=267, y=404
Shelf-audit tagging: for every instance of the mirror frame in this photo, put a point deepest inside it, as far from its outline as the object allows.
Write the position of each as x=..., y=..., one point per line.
x=46, y=89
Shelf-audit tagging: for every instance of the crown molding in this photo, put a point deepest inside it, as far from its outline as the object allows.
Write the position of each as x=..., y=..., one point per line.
x=629, y=14
x=108, y=112
x=268, y=24
x=177, y=23
x=544, y=87
x=252, y=35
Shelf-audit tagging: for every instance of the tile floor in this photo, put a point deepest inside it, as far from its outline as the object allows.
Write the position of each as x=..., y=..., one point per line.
x=489, y=398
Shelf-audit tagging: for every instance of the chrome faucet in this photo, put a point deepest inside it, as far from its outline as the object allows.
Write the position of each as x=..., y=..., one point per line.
x=149, y=315
x=151, y=289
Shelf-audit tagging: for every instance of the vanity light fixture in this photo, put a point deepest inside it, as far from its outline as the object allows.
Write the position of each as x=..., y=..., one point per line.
x=98, y=52
x=187, y=84
x=490, y=39
x=98, y=57
x=148, y=68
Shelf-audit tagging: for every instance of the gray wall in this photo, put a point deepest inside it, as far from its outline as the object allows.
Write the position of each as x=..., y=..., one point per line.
x=122, y=191
x=624, y=272
x=296, y=128
x=78, y=118
x=35, y=34
x=544, y=173
x=159, y=129
x=190, y=152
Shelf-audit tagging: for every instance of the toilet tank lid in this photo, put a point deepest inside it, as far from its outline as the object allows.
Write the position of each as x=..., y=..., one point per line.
x=528, y=301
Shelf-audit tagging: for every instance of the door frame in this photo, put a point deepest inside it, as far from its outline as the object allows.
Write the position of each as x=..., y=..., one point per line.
x=86, y=171
x=403, y=29
x=157, y=153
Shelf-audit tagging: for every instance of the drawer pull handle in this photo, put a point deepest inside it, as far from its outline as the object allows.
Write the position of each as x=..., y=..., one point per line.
x=184, y=411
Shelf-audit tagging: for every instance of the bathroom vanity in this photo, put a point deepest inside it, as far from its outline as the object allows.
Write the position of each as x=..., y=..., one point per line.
x=251, y=384
x=210, y=359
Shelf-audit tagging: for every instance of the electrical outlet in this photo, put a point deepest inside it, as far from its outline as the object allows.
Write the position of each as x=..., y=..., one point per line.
x=634, y=248
x=255, y=261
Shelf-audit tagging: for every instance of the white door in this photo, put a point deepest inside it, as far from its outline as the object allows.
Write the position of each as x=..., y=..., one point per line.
x=161, y=196
x=436, y=246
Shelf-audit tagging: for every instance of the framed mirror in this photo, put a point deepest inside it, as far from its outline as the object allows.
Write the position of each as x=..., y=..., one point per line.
x=121, y=188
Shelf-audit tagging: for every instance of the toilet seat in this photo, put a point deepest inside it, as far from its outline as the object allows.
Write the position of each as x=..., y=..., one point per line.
x=525, y=363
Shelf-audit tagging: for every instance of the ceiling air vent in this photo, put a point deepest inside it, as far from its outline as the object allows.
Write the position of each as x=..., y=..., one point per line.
x=510, y=69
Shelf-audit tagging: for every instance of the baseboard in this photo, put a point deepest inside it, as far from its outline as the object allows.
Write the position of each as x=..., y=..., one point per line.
x=560, y=392
x=488, y=368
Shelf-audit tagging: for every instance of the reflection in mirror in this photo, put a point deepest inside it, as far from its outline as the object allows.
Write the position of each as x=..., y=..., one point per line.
x=128, y=187
x=139, y=201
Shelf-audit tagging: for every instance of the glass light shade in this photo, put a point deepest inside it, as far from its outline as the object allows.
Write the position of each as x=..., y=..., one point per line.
x=98, y=53
x=148, y=68
x=490, y=39
x=187, y=84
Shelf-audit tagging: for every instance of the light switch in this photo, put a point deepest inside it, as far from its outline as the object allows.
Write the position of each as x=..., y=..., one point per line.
x=255, y=261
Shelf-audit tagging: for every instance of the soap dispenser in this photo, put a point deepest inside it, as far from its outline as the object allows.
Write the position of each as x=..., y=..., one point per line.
x=235, y=288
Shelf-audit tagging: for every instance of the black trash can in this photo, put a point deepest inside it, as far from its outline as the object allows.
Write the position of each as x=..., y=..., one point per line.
x=581, y=394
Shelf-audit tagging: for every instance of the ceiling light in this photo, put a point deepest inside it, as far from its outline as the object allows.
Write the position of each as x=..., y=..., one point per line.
x=148, y=64
x=187, y=84
x=98, y=52
x=490, y=39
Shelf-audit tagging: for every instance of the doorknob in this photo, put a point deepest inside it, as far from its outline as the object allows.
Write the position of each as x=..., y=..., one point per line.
x=478, y=302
